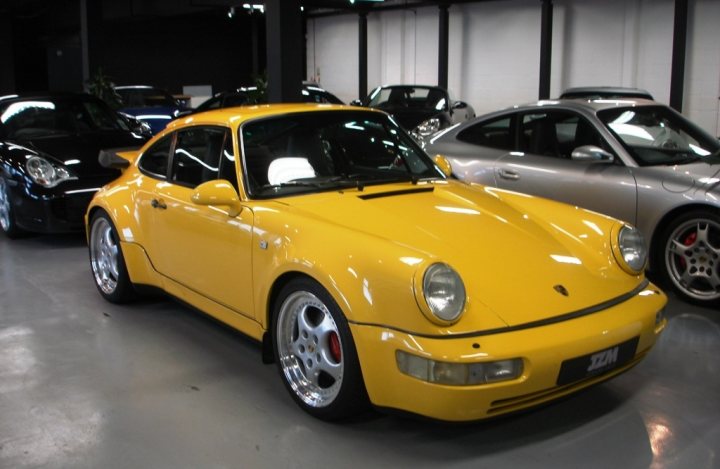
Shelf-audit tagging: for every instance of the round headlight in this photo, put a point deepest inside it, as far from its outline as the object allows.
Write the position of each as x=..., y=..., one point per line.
x=427, y=128
x=45, y=173
x=444, y=292
x=631, y=251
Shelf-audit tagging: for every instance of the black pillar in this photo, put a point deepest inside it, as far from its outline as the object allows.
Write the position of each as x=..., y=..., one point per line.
x=254, y=45
x=362, y=54
x=284, y=50
x=90, y=37
x=545, y=49
x=443, y=34
x=677, y=75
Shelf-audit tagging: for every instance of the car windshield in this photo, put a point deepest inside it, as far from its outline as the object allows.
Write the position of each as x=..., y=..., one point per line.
x=414, y=97
x=656, y=135
x=320, y=151
x=47, y=117
x=145, y=97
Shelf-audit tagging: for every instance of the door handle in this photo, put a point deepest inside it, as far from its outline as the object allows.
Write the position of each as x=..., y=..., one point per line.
x=509, y=174
x=155, y=203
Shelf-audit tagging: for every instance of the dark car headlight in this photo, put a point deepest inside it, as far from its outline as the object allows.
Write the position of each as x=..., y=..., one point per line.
x=46, y=173
x=443, y=294
x=629, y=248
x=427, y=128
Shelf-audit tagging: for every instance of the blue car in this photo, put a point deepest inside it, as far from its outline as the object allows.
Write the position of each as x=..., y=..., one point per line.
x=151, y=105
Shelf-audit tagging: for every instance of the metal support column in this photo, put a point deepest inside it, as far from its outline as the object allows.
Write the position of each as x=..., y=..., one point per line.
x=443, y=46
x=284, y=50
x=545, y=49
x=677, y=74
x=362, y=54
x=90, y=37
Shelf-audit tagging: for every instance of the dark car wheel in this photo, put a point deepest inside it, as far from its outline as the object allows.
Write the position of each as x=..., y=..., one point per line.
x=315, y=352
x=7, y=218
x=107, y=261
x=691, y=256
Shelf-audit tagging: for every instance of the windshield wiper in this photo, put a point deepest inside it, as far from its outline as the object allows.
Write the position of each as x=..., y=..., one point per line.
x=293, y=184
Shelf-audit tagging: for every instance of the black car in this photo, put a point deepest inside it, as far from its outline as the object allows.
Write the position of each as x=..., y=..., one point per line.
x=49, y=170
x=605, y=92
x=421, y=110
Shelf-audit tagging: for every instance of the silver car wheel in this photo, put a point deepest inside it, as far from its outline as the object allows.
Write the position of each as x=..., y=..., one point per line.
x=692, y=258
x=4, y=206
x=104, y=255
x=309, y=349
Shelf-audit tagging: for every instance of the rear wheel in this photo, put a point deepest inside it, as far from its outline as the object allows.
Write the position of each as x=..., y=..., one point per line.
x=107, y=261
x=7, y=218
x=691, y=256
x=315, y=352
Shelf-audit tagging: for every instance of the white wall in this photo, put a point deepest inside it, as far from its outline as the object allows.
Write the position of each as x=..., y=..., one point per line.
x=495, y=50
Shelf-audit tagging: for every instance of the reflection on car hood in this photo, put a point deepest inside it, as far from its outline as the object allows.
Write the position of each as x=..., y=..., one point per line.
x=510, y=258
x=80, y=152
x=410, y=118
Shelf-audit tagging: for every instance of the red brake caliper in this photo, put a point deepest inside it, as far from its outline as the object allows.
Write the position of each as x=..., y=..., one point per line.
x=335, y=350
x=689, y=241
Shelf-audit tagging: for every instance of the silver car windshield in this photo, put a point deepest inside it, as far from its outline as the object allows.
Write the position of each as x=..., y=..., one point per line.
x=656, y=135
x=320, y=151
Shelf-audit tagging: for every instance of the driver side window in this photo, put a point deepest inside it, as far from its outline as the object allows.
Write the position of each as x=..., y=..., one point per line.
x=557, y=134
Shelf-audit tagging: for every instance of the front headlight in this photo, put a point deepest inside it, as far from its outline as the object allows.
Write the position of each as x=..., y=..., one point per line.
x=629, y=249
x=443, y=293
x=427, y=128
x=45, y=173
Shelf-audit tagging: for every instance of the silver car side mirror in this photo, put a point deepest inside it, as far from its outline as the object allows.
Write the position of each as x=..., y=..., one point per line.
x=592, y=153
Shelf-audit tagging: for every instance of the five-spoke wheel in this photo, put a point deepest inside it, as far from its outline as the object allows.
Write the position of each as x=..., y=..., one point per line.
x=692, y=256
x=315, y=352
x=107, y=262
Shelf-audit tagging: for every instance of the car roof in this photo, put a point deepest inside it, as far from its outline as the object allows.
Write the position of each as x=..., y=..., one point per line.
x=24, y=96
x=237, y=115
x=592, y=105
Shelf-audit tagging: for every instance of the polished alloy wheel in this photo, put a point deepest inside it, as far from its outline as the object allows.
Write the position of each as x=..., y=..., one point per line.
x=692, y=258
x=4, y=206
x=104, y=255
x=309, y=349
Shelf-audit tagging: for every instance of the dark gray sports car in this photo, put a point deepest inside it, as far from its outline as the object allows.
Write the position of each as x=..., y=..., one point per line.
x=633, y=159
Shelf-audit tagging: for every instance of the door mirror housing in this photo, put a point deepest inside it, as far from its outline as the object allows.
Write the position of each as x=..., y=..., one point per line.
x=218, y=192
x=444, y=165
x=592, y=153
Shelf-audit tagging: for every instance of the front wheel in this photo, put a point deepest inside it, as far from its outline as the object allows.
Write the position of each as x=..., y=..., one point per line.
x=7, y=217
x=315, y=352
x=691, y=256
x=107, y=261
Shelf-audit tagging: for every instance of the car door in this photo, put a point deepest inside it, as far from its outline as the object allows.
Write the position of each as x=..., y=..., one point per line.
x=202, y=248
x=543, y=165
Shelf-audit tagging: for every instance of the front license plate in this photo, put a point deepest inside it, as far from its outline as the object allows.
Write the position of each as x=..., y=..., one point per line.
x=597, y=363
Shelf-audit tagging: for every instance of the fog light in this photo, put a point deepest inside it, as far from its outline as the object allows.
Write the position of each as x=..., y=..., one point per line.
x=458, y=374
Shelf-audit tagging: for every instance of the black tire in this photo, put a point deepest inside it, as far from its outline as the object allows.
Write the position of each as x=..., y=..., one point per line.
x=7, y=217
x=107, y=262
x=688, y=256
x=315, y=352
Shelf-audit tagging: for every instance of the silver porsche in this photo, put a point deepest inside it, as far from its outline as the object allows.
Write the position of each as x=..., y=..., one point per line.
x=634, y=159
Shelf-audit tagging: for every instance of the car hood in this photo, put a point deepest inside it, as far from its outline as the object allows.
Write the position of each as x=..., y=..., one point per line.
x=410, y=118
x=513, y=251
x=79, y=152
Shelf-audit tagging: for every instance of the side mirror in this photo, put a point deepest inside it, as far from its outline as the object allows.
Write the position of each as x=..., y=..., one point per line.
x=591, y=153
x=218, y=192
x=444, y=165
x=459, y=105
x=355, y=102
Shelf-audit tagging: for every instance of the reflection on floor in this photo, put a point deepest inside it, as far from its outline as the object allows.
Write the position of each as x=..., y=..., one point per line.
x=86, y=384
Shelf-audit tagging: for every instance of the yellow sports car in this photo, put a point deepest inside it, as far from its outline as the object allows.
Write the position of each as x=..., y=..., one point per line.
x=369, y=276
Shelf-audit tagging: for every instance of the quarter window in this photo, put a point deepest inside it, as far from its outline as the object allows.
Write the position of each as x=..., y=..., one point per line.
x=494, y=134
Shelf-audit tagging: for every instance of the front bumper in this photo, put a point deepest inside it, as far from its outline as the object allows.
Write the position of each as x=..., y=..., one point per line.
x=542, y=349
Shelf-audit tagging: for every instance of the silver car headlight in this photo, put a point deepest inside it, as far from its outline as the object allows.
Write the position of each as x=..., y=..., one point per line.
x=427, y=128
x=443, y=294
x=629, y=249
x=46, y=173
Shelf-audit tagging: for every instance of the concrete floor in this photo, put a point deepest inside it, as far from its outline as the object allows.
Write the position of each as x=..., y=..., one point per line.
x=87, y=384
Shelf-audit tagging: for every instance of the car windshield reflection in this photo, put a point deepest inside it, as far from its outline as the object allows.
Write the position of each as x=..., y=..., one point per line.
x=654, y=135
x=311, y=152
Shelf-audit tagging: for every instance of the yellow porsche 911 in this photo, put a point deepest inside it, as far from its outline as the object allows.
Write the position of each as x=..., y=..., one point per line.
x=368, y=274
